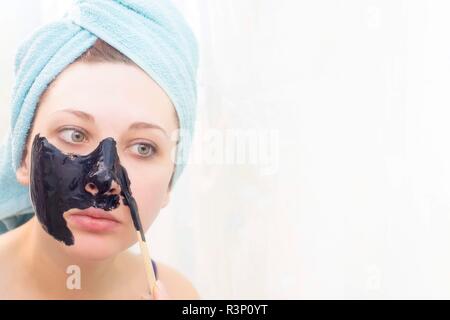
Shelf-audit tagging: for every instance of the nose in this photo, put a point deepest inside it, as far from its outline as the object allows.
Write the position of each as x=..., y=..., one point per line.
x=92, y=188
x=101, y=177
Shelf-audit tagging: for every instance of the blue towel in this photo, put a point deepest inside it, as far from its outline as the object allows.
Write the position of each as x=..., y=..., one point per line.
x=150, y=32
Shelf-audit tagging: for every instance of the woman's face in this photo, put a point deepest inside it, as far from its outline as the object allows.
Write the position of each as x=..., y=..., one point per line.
x=89, y=102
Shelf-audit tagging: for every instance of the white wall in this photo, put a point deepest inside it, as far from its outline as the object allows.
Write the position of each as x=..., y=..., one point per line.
x=357, y=94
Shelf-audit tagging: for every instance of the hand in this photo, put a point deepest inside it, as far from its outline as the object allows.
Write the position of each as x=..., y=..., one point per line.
x=159, y=293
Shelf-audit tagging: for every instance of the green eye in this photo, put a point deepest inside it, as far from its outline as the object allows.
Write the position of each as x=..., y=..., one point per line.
x=144, y=149
x=73, y=135
x=77, y=136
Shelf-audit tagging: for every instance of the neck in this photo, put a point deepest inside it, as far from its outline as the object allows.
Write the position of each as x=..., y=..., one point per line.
x=56, y=271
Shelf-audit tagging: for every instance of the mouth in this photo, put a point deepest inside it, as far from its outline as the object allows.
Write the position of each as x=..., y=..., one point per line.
x=94, y=220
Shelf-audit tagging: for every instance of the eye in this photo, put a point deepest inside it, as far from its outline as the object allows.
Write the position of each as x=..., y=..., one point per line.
x=145, y=150
x=72, y=135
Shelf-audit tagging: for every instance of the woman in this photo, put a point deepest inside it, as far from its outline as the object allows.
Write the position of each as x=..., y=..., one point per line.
x=100, y=93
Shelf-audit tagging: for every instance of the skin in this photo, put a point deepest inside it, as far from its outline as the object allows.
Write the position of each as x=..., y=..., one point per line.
x=86, y=103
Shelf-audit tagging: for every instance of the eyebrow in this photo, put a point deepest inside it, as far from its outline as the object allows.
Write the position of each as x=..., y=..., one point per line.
x=133, y=126
x=80, y=114
x=147, y=125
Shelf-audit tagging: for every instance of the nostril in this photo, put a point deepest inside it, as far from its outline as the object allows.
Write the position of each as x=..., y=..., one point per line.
x=115, y=188
x=91, y=188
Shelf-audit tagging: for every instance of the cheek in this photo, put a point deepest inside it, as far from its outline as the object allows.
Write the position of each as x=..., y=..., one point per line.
x=149, y=188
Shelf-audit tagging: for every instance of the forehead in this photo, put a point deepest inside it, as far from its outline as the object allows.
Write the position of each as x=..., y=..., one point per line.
x=111, y=92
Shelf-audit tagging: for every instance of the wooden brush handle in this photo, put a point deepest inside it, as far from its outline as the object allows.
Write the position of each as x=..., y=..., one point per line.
x=147, y=263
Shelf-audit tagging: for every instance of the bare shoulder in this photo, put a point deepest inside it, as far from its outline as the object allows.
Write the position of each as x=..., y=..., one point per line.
x=177, y=285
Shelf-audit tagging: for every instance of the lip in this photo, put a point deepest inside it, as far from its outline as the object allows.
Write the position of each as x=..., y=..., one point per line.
x=94, y=220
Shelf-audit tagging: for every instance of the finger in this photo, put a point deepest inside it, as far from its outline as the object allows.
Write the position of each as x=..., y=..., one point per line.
x=160, y=291
x=146, y=296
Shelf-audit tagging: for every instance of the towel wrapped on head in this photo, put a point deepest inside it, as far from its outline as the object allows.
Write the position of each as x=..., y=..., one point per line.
x=152, y=33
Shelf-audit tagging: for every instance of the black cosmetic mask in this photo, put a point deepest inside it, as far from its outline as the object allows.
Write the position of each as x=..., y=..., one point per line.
x=58, y=183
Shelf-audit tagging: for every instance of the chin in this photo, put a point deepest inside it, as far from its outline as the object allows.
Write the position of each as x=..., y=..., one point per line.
x=96, y=247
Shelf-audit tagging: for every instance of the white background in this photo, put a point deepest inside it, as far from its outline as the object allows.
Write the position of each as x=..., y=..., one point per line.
x=358, y=93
